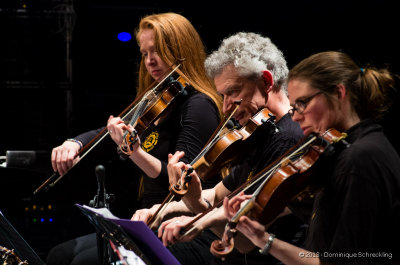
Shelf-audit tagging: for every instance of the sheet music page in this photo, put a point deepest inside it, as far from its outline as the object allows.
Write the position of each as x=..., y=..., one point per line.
x=148, y=244
x=102, y=211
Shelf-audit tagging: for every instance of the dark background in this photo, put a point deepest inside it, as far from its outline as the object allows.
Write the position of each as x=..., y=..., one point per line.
x=63, y=72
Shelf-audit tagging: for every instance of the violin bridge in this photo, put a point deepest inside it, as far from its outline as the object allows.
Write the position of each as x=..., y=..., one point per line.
x=285, y=162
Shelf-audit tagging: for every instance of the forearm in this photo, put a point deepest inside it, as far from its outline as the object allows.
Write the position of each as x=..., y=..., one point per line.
x=244, y=245
x=215, y=220
x=199, y=204
x=174, y=208
x=150, y=165
x=86, y=137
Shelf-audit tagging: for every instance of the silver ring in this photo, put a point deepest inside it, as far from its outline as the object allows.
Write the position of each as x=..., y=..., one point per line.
x=176, y=222
x=110, y=131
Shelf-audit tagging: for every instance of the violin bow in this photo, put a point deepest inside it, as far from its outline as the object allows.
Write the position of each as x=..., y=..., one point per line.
x=269, y=170
x=55, y=177
x=183, y=178
x=224, y=246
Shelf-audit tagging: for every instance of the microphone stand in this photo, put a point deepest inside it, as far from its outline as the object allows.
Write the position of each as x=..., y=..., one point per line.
x=101, y=200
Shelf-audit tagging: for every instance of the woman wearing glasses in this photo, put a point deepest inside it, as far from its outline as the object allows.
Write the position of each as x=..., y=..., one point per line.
x=357, y=212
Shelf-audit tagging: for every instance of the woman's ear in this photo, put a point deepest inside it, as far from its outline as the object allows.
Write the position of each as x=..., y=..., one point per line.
x=341, y=91
x=268, y=80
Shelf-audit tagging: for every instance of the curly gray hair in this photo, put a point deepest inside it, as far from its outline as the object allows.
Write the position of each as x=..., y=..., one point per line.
x=250, y=54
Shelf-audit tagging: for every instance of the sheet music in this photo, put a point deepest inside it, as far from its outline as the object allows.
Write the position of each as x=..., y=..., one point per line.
x=102, y=211
x=129, y=257
x=136, y=232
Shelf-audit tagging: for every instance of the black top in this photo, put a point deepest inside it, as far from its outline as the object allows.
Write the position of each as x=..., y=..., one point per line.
x=268, y=148
x=357, y=214
x=187, y=128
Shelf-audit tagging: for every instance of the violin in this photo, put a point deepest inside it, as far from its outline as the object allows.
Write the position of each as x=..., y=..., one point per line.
x=223, y=150
x=141, y=113
x=150, y=109
x=229, y=148
x=283, y=182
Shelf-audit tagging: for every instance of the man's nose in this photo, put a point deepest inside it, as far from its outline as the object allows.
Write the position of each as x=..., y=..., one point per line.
x=227, y=105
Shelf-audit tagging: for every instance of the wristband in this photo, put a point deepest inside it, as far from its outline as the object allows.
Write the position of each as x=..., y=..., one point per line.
x=75, y=141
x=268, y=245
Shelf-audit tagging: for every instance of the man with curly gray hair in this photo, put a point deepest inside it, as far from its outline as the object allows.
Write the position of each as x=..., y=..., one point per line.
x=250, y=54
x=247, y=69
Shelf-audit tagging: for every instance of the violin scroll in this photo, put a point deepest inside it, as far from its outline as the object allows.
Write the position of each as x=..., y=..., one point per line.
x=126, y=148
x=221, y=248
x=180, y=189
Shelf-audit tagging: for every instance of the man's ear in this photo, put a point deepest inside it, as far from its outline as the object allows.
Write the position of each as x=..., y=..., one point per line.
x=268, y=80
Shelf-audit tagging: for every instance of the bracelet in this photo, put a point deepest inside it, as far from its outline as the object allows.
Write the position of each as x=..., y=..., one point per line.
x=75, y=141
x=268, y=245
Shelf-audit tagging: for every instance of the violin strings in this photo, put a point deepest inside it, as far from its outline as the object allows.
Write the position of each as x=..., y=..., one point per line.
x=144, y=103
x=246, y=207
x=152, y=91
x=254, y=181
x=208, y=146
x=291, y=155
x=87, y=148
x=217, y=137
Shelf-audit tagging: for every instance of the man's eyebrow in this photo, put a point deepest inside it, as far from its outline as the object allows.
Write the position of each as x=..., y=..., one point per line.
x=233, y=87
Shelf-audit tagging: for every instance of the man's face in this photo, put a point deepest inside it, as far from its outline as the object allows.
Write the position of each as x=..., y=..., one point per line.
x=234, y=88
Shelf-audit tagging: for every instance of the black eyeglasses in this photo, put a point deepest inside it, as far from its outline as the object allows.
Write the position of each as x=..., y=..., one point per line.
x=301, y=105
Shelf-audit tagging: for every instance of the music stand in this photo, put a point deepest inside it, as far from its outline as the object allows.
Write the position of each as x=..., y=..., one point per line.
x=132, y=235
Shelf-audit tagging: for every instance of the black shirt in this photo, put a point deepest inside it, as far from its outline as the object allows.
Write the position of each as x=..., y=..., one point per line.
x=187, y=128
x=268, y=148
x=357, y=215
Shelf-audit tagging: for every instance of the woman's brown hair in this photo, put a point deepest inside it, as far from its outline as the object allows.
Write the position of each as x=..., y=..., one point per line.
x=368, y=87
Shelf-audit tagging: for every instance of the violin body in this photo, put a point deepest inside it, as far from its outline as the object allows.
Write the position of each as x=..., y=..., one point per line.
x=233, y=145
x=155, y=101
x=288, y=180
x=158, y=103
x=224, y=151
x=162, y=102
x=291, y=179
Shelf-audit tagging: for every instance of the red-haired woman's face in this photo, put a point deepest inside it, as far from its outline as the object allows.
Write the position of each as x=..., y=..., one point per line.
x=154, y=64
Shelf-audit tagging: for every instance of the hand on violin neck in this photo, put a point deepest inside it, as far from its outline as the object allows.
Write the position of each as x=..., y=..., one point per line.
x=116, y=128
x=175, y=167
x=170, y=231
x=232, y=206
x=253, y=230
